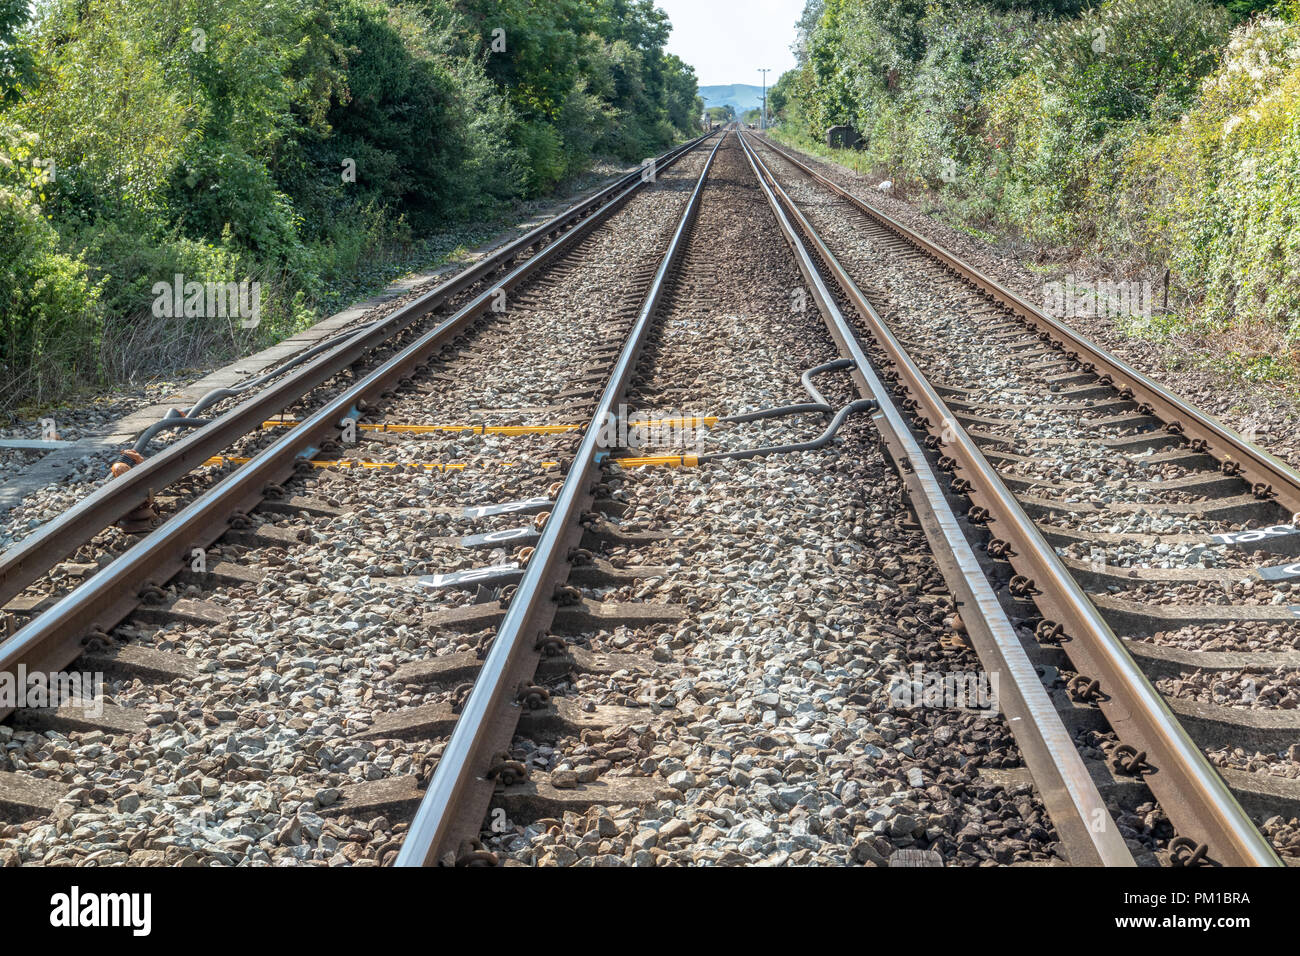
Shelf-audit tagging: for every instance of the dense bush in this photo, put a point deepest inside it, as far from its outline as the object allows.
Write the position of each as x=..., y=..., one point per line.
x=1147, y=131
x=584, y=76
x=1219, y=183
x=47, y=301
x=310, y=145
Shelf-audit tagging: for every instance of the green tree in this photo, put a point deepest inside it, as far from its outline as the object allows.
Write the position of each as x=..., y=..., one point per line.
x=49, y=322
x=583, y=76
x=17, y=66
x=782, y=93
x=308, y=144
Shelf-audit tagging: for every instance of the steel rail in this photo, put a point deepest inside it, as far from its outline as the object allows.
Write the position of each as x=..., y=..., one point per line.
x=1258, y=467
x=1190, y=790
x=490, y=712
x=55, y=637
x=26, y=561
x=1071, y=797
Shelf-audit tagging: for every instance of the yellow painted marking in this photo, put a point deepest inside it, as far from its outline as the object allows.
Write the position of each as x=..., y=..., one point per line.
x=424, y=429
x=663, y=461
x=706, y=420
x=349, y=463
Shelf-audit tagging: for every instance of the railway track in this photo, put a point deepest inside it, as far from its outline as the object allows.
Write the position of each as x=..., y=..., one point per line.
x=684, y=777
x=618, y=549
x=1146, y=541
x=171, y=585
x=430, y=318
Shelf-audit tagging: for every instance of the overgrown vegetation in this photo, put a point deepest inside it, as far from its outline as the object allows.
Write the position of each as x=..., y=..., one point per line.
x=1148, y=134
x=312, y=146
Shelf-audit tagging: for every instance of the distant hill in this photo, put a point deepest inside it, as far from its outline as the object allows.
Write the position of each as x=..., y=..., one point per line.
x=741, y=96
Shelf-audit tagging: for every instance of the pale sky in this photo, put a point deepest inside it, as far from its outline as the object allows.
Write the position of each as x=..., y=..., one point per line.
x=728, y=40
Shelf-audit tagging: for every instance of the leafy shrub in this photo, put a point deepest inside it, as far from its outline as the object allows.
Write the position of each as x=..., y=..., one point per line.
x=1021, y=117
x=544, y=151
x=316, y=146
x=1118, y=61
x=1219, y=182
x=48, y=305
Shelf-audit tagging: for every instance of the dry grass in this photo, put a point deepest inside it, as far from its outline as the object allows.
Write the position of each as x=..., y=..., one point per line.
x=145, y=345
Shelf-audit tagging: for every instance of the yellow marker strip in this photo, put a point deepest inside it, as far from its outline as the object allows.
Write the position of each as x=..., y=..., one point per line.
x=705, y=420
x=662, y=461
x=425, y=429
x=349, y=463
